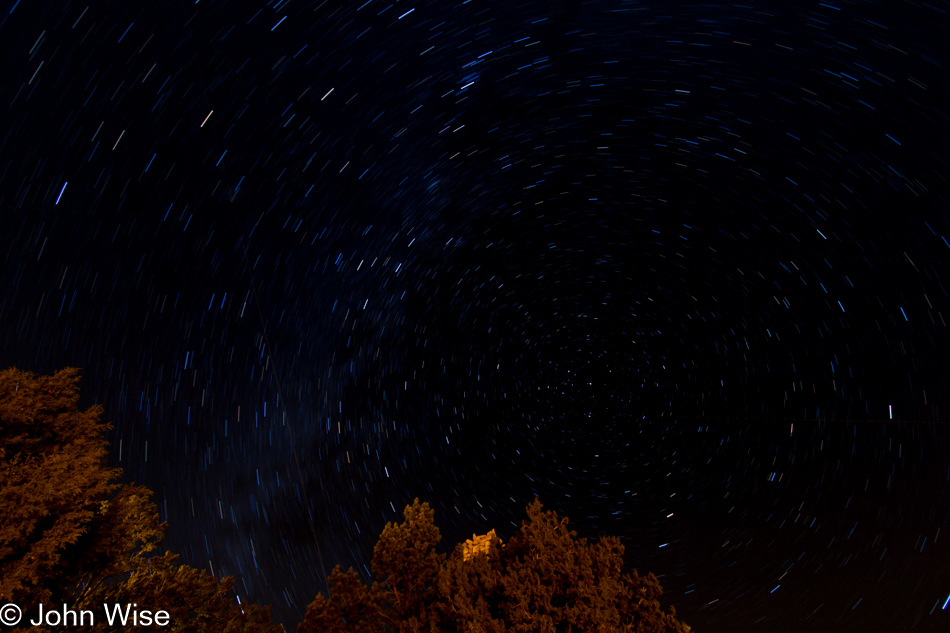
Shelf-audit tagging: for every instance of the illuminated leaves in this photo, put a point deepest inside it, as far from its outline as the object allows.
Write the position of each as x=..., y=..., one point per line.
x=544, y=580
x=72, y=535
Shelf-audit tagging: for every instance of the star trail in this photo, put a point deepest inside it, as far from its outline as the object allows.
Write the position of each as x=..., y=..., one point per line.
x=677, y=268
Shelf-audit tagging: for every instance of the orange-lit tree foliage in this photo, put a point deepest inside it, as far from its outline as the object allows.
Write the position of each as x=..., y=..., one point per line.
x=544, y=580
x=70, y=533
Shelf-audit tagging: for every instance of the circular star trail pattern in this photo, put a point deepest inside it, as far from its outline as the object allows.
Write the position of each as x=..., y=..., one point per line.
x=679, y=269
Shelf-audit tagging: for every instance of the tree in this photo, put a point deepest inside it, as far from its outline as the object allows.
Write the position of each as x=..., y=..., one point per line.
x=406, y=566
x=70, y=533
x=544, y=580
x=195, y=600
x=352, y=608
x=472, y=589
x=66, y=521
x=554, y=581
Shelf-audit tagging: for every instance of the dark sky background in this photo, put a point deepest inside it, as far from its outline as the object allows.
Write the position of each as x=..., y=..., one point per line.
x=680, y=269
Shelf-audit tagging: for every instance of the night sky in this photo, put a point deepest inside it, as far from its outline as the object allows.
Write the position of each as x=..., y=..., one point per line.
x=679, y=269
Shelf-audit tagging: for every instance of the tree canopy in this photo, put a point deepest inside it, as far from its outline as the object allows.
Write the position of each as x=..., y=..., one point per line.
x=72, y=534
x=544, y=580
